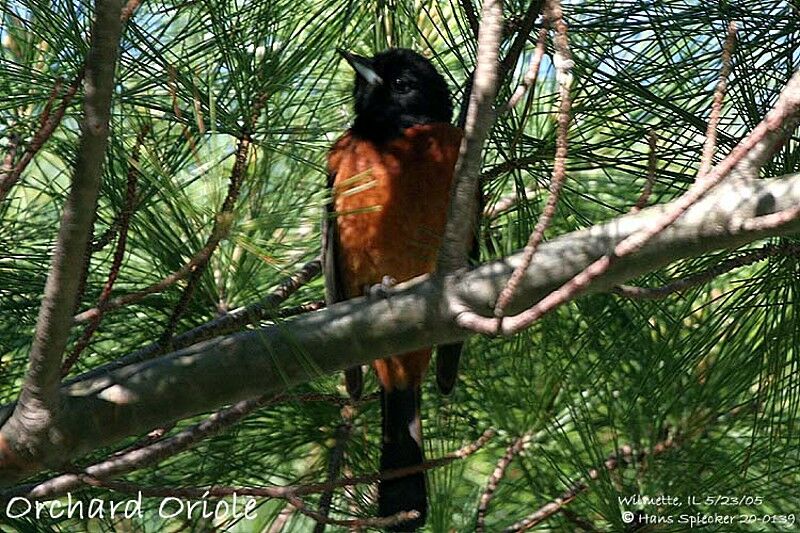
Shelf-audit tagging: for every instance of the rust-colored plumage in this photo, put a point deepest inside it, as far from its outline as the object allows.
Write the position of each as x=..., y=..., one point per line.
x=390, y=176
x=390, y=205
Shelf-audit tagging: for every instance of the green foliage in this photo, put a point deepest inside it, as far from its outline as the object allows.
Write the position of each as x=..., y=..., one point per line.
x=715, y=368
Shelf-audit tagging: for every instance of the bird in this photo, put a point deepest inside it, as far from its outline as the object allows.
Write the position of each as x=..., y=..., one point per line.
x=390, y=176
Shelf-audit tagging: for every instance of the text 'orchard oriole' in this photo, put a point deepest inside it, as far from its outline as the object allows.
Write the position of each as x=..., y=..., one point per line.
x=390, y=176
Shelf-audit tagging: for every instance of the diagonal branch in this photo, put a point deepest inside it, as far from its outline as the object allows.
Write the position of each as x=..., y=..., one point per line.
x=48, y=124
x=657, y=293
x=623, y=456
x=423, y=312
x=778, y=123
x=235, y=320
x=529, y=80
x=652, y=168
x=196, y=265
x=48, y=121
x=38, y=404
x=472, y=18
x=512, y=451
x=514, y=51
x=220, y=230
x=119, y=254
x=463, y=208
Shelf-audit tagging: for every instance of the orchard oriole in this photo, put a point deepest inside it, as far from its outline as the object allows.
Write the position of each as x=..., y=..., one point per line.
x=390, y=176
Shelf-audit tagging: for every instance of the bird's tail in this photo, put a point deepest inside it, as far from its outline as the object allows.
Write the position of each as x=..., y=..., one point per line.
x=402, y=447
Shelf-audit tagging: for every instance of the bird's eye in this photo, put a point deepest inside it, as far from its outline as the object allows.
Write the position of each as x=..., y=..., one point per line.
x=401, y=85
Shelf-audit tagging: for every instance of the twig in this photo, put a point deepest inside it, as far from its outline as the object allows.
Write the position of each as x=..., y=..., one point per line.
x=198, y=262
x=48, y=106
x=145, y=456
x=119, y=255
x=716, y=107
x=529, y=80
x=773, y=220
x=200, y=259
x=463, y=208
x=341, y=436
x=524, y=31
x=624, y=455
x=504, y=204
x=652, y=161
x=308, y=307
x=38, y=403
x=107, y=236
x=472, y=17
x=129, y=9
x=563, y=63
x=183, y=303
x=461, y=453
x=494, y=480
x=509, y=165
x=11, y=155
x=656, y=293
x=763, y=138
x=280, y=522
x=334, y=399
x=47, y=122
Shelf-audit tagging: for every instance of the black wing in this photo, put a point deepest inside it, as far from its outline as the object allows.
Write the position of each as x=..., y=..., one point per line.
x=334, y=286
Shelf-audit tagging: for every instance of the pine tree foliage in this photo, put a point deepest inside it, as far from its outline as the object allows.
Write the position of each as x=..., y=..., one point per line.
x=713, y=369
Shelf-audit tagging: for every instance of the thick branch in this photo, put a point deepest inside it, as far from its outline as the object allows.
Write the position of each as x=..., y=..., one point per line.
x=786, y=112
x=133, y=399
x=39, y=400
x=236, y=320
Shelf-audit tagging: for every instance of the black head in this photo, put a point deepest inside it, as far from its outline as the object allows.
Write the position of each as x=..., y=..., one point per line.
x=395, y=89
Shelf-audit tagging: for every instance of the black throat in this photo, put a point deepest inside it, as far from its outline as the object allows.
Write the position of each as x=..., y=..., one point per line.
x=408, y=92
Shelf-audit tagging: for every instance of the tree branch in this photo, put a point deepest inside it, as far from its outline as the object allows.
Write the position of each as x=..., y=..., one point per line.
x=463, y=208
x=716, y=106
x=38, y=405
x=423, y=312
x=624, y=455
x=235, y=320
x=753, y=256
x=119, y=254
x=49, y=122
x=195, y=267
x=562, y=59
x=770, y=131
x=514, y=51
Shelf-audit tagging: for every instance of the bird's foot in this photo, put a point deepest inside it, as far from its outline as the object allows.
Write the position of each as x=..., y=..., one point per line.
x=382, y=289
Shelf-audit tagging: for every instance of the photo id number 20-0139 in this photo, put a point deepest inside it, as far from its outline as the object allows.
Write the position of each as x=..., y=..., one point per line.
x=719, y=510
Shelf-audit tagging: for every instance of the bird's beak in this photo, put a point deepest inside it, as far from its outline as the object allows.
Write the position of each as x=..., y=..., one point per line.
x=362, y=66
